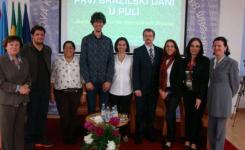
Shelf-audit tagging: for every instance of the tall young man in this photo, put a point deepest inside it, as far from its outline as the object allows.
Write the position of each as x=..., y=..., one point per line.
x=97, y=62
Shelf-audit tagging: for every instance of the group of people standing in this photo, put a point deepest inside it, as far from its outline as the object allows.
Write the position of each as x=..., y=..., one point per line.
x=27, y=81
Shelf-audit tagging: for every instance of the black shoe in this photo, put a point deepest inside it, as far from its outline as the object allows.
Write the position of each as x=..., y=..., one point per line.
x=30, y=146
x=151, y=137
x=194, y=149
x=197, y=148
x=43, y=143
x=138, y=140
x=187, y=147
x=166, y=147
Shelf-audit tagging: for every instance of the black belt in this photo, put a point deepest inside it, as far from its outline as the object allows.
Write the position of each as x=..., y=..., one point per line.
x=70, y=90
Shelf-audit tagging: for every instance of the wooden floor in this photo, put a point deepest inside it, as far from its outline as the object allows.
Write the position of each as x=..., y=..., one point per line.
x=236, y=134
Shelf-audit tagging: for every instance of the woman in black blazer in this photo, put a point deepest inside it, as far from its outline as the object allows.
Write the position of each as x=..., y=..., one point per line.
x=170, y=86
x=196, y=76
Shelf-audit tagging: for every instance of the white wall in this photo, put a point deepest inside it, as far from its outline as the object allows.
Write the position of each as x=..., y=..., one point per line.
x=231, y=26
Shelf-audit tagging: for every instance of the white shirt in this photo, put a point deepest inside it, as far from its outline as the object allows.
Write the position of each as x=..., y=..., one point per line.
x=66, y=75
x=122, y=79
x=148, y=50
x=168, y=72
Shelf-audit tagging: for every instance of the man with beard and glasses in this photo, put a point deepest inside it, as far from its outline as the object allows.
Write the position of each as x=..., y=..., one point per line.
x=146, y=65
x=39, y=57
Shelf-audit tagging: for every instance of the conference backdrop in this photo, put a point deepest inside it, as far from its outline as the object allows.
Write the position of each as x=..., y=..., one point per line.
x=127, y=18
x=169, y=18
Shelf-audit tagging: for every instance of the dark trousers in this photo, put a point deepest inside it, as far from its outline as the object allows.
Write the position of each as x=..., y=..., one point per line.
x=145, y=113
x=103, y=96
x=67, y=104
x=216, y=132
x=37, y=111
x=12, y=127
x=123, y=106
x=171, y=102
x=193, y=118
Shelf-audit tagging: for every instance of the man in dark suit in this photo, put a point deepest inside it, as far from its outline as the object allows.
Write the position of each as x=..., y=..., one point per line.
x=146, y=65
x=39, y=56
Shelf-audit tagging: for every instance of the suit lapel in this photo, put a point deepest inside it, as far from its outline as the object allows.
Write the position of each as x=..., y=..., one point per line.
x=22, y=65
x=220, y=63
x=156, y=55
x=211, y=68
x=147, y=56
x=173, y=67
x=10, y=63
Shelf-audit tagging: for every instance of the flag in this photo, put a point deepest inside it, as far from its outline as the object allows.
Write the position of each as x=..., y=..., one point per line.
x=3, y=27
x=19, y=22
x=26, y=33
x=13, y=22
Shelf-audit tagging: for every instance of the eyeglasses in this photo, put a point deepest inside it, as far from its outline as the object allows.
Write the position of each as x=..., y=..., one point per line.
x=196, y=46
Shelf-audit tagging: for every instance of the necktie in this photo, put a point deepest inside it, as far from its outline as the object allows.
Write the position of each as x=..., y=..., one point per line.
x=151, y=55
x=16, y=62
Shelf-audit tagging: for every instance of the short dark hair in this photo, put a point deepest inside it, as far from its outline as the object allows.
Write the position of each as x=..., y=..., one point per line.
x=12, y=38
x=37, y=27
x=71, y=42
x=187, y=49
x=224, y=40
x=121, y=39
x=177, y=53
x=149, y=30
x=98, y=16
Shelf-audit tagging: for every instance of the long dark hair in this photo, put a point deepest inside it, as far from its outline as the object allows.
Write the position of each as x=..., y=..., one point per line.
x=177, y=53
x=187, y=49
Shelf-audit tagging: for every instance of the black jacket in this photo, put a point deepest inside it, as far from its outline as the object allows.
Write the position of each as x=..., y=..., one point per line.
x=28, y=52
x=176, y=77
x=200, y=77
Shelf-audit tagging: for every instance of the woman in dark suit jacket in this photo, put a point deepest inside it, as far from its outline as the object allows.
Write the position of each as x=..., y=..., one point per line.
x=196, y=75
x=170, y=85
x=223, y=85
x=14, y=90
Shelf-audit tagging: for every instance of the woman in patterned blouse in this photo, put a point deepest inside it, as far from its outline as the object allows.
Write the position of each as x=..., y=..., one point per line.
x=66, y=90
